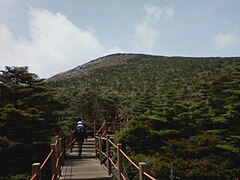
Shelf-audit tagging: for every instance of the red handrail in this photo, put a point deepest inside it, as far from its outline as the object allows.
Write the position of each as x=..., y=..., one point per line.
x=123, y=176
x=150, y=177
x=124, y=155
x=103, y=124
x=45, y=162
x=53, y=177
x=113, y=164
x=58, y=157
x=103, y=129
x=136, y=166
x=112, y=143
x=34, y=176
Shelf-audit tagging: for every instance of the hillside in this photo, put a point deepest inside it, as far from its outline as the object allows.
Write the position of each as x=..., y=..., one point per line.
x=107, y=61
x=131, y=74
x=181, y=109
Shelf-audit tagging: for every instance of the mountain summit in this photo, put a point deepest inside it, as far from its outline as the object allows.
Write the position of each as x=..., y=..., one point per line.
x=106, y=61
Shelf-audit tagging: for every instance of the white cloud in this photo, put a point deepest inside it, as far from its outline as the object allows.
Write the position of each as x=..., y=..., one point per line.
x=146, y=37
x=224, y=40
x=155, y=13
x=54, y=45
x=146, y=34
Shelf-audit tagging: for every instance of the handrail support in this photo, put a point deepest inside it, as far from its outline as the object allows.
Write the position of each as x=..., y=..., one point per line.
x=119, y=157
x=108, y=156
x=142, y=169
x=36, y=170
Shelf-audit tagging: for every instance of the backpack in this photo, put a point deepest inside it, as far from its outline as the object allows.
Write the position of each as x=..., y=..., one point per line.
x=80, y=132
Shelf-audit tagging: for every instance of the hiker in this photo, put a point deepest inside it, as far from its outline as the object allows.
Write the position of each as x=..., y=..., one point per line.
x=80, y=133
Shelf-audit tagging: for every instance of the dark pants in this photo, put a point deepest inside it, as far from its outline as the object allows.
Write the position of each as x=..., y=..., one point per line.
x=80, y=144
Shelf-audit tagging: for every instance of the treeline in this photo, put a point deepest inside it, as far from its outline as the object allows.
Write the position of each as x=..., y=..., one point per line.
x=28, y=114
x=183, y=111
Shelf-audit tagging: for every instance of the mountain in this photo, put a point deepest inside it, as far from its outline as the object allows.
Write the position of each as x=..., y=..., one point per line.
x=183, y=110
x=130, y=76
x=120, y=60
x=131, y=72
x=107, y=61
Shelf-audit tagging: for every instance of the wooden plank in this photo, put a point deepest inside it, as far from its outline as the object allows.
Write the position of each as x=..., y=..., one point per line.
x=85, y=168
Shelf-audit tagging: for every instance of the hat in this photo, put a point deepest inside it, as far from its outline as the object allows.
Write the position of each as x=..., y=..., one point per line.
x=79, y=122
x=80, y=125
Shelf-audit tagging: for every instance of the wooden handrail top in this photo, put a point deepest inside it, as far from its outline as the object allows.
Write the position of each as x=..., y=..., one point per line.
x=47, y=158
x=113, y=164
x=124, y=155
x=107, y=122
x=117, y=123
x=71, y=143
x=103, y=124
x=104, y=153
x=103, y=138
x=34, y=176
x=136, y=166
x=112, y=143
x=123, y=176
x=150, y=177
x=53, y=177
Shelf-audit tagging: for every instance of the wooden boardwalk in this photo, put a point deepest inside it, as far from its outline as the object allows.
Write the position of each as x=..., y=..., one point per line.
x=88, y=167
x=85, y=168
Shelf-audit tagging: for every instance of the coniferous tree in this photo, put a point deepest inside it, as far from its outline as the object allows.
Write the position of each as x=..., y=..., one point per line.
x=28, y=119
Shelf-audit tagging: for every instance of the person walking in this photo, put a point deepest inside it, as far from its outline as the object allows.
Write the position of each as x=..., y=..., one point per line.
x=80, y=134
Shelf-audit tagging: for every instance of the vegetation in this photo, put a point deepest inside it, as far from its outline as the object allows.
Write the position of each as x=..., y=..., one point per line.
x=28, y=114
x=181, y=110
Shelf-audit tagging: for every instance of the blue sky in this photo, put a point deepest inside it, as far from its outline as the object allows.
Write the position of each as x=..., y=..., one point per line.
x=52, y=36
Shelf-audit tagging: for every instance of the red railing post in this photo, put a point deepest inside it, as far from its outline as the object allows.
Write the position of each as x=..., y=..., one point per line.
x=105, y=128
x=100, y=148
x=53, y=161
x=57, y=145
x=94, y=126
x=60, y=155
x=114, y=127
x=108, y=156
x=64, y=147
x=96, y=145
x=36, y=170
x=119, y=158
x=57, y=152
x=142, y=169
x=71, y=138
x=60, y=145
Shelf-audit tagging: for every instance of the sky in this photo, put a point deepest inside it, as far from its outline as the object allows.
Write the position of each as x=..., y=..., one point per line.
x=53, y=36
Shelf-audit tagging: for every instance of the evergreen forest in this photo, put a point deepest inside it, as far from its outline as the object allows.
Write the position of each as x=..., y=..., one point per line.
x=28, y=120
x=183, y=112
